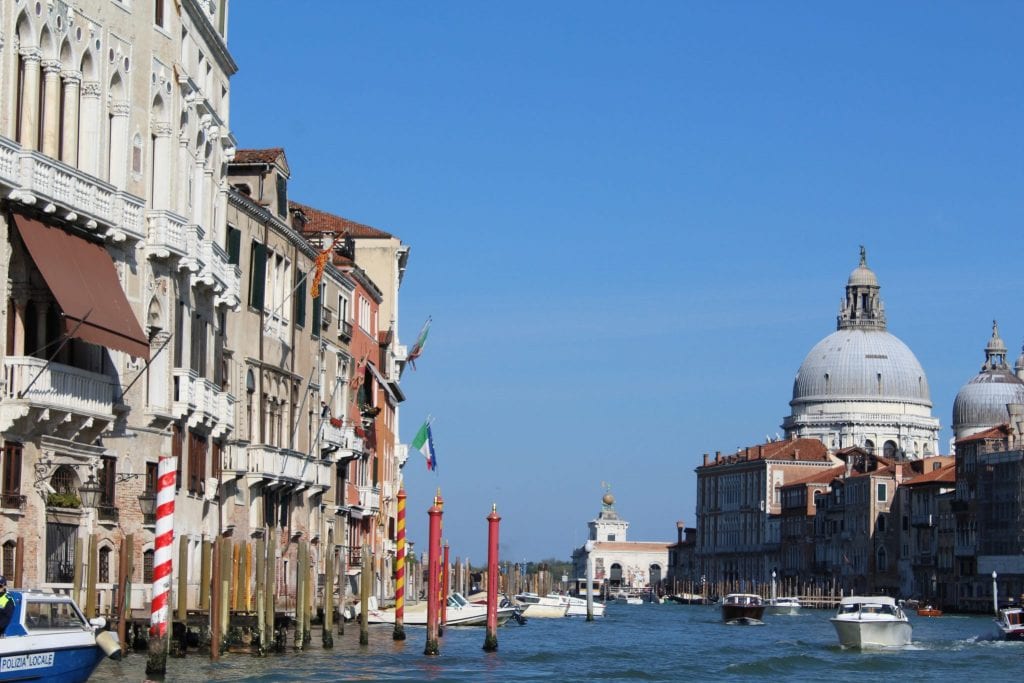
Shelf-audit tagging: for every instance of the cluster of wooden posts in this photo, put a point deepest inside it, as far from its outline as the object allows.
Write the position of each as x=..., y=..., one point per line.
x=809, y=594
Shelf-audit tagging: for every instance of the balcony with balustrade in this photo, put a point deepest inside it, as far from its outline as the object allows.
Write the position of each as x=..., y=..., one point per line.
x=369, y=498
x=338, y=441
x=285, y=466
x=56, y=399
x=166, y=235
x=202, y=402
x=71, y=194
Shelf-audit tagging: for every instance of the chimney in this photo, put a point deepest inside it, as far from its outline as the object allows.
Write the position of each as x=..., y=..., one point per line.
x=760, y=451
x=705, y=460
x=680, y=527
x=718, y=457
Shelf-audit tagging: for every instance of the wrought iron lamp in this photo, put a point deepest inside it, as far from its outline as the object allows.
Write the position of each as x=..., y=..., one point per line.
x=90, y=492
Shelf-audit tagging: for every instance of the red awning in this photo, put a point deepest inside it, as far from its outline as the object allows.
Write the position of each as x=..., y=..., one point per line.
x=82, y=277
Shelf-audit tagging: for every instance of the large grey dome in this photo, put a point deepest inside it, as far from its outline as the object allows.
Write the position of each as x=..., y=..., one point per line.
x=981, y=403
x=856, y=364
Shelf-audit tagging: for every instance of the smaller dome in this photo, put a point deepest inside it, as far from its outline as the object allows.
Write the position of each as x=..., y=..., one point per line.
x=608, y=499
x=995, y=344
x=862, y=276
x=981, y=403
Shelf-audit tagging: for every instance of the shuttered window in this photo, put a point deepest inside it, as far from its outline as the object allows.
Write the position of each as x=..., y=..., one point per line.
x=257, y=275
x=300, y=298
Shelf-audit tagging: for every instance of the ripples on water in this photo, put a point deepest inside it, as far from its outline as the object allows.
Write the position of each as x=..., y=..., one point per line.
x=633, y=643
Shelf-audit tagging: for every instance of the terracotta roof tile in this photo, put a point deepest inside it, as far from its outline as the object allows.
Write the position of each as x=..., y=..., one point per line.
x=997, y=432
x=802, y=450
x=321, y=221
x=822, y=477
x=258, y=156
x=945, y=474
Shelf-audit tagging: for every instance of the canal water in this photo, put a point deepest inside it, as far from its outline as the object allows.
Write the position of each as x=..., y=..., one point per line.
x=632, y=643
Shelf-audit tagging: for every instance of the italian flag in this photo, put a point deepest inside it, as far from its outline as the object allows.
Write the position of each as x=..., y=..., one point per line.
x=424, y=443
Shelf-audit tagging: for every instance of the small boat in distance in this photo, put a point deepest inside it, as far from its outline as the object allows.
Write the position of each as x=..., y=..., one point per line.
x=1011, y=623
x=742, y=608
x=783, y=606
x=624, y=598
x=870, y=622
x=578, y=606
x=929, y=611
x=50, y=639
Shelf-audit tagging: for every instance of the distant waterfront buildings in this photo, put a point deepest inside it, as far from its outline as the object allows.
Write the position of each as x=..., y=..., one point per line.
x=620, y=564
x=856, y=497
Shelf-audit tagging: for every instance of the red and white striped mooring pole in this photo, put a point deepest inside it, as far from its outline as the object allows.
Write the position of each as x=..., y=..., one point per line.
x=158, y=642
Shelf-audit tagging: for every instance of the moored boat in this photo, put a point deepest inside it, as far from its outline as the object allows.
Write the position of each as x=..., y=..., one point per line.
x=49, y=639
x=624, y=598
x=542, y=607
x=742, y=608
x=460, y=612
x=871, y=622
x=578, y=607
x=786, y=605
x=1011, y=623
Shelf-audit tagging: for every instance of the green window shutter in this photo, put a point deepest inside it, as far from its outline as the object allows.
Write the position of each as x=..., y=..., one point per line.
x=257, y=275
x=282, y=197
x=234, y=246
x=317, y=308
x=300, y=298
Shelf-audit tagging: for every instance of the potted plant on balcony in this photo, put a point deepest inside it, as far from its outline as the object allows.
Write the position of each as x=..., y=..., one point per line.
x=63, y=499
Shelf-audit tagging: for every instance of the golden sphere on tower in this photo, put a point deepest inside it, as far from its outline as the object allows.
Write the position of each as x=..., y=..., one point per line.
x=608, y=499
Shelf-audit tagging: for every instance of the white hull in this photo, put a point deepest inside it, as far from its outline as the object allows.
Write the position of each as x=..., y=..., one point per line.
x=539, y=611
x=871, y=633
x=581, y=610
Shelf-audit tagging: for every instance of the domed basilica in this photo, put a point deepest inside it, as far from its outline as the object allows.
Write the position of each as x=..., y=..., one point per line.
x=861, y=385
x=981, y=403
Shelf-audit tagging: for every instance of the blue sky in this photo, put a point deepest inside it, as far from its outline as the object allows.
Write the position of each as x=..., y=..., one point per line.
x=631, y=221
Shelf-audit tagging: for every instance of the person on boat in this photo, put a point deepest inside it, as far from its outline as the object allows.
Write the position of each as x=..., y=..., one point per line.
x=6, y=606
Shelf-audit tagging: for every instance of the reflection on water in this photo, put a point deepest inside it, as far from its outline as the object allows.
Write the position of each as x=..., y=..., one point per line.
x=644, y=642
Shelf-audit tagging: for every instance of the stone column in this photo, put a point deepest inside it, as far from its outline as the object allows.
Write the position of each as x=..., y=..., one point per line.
x=29, y=114
x=51, y=108
x=69, y=127
x=161, y=166
x=117, y=171
x=89, y=128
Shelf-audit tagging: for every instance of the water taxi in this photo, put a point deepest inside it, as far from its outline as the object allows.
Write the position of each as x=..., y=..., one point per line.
x=742, y=608
x=1011, y=623
x=870, y=622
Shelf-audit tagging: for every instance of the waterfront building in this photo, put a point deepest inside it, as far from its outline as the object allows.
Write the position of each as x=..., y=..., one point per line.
x=620, y=564
x=981, y=402
x=367, y=319
x=797, y=502
x=861, y=385
x=683, y=573
x=738, y=506
x=113, y=143
x=928, y=557
x=191, y=330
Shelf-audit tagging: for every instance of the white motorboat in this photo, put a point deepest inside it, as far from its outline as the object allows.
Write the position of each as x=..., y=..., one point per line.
x=49, y=639
x=623, y=598
x=1011, y=623
x=578, y=606
x=460, y=612
x=785, y=605
x=870, y=622
x=542, y=607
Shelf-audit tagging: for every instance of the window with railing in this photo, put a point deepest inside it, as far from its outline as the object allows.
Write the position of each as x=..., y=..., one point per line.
x=60, y=552
x=104, y=565
x=10, y=486
x=10, y=550
x=196, y=463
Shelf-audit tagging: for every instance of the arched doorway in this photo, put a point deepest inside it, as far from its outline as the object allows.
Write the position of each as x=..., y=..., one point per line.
x=615, y=577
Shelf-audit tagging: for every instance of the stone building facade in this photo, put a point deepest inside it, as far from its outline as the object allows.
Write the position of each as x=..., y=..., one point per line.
x=159, y=303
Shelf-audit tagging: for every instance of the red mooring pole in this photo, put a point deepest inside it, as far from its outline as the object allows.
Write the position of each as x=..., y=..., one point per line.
x=433, y=581
x=491, y=639
x=399, y=633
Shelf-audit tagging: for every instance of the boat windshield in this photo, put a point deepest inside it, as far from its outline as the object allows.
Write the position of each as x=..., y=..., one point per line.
x=53, y=616
x=458, y=600
x=866, y=609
